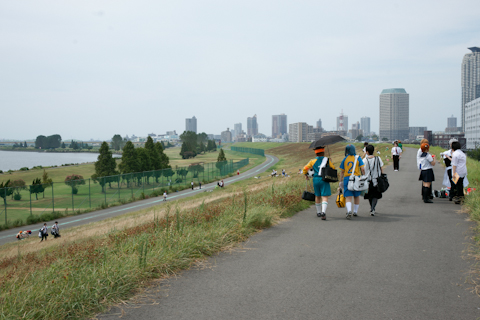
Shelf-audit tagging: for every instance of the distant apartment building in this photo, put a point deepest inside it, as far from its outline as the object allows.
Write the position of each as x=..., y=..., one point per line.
x=279, y=125
x=226, y=136
x=252, y=126
x=451, y=122
x=355, y=131
x=319, y=124
x=314, y=136
x=394, y=114
x=441, y=139
x=297, y=132
x=238, y=129
x=365, y=125
x=342, y=123
x=414, y=132
x=191, y=124
x=472, y=124
x=470, y=79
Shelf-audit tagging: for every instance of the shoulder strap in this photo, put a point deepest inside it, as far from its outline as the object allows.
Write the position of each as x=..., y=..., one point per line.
x=354, y=166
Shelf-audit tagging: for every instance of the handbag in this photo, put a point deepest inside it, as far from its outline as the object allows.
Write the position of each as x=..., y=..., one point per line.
x=382, y=181
x=340, y=199
x=307, y=195
x=357, y=183
x=329, y=174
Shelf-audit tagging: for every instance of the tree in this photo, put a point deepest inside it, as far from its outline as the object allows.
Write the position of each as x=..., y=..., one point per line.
x=41, y=142
x=5, y=190
x=130, y=162
x=384, y=139
x=117, y=142
x=164, y=160
x=221, y=161
x=18, y=185
x=46, y=181
x=105, y=166
x=25, y=144
x=182, y=172
x=359, y=137
x=36, y=187
x=375, y=137
x=63, y=145
x=53, y=141
x=74, y=181
x=145, y=164
x=195, y=169
x=187, y=151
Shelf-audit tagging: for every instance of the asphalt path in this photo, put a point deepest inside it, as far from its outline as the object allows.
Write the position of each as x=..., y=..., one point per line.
x=68, y=222
x=404, y=263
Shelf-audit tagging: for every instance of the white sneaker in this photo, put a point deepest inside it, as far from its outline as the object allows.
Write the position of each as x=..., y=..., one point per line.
x=396, y=170
x=349, y=215
x=372, y=213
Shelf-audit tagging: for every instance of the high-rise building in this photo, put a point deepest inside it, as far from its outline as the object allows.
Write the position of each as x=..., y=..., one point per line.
x=252, y=126
x=226, y=136
x=279, y=125
x=342, y=122
x=452, y=122
x=297, y=132
x=319, y=124
x=414, y=132
x=394, y=114
x=238, y=129
x=470, y=79
x=472, y=124
x=191, y=124
x=365, y=125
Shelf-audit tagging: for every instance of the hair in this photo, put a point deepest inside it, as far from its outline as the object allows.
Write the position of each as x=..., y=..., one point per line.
x=456, y=145
x=369, y=149
x=350, y=150
x=56, y=221
x=395, y=143
x=424, y=141
x=320, y=154
x=425, y=147
x=365, y=144
x=45, y=223
x=452, y=141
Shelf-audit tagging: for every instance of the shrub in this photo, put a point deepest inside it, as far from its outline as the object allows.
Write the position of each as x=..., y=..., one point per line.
x=17, y=196
x=24, y=169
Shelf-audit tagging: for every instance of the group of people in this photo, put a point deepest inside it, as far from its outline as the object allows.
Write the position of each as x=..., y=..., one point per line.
x=352, y=165
x=43, y=232
x=275, y=173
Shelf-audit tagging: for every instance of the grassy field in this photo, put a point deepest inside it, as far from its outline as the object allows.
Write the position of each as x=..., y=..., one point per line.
x=59, y=197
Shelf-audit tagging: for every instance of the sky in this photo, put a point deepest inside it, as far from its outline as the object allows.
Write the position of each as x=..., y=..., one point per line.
x=92, y=69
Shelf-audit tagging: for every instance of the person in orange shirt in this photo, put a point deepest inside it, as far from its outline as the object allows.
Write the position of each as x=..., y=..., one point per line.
x=322, y=188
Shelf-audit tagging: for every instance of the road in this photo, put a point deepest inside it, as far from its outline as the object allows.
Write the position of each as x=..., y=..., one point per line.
x=7, y=236
x=404, y=263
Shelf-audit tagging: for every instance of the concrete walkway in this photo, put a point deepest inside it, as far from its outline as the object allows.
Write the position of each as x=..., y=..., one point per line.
x=404, y=263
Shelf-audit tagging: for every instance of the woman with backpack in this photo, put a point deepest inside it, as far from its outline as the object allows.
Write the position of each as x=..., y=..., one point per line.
x=322, y=188
x=373, y=169
x=352, y=165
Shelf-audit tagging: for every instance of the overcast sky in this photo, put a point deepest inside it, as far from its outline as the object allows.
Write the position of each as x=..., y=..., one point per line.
x=92, y=69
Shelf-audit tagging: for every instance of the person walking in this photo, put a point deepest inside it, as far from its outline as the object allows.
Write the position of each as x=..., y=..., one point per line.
x=56, y=230
x=322, y=188
x=350, y=161
x=44, y=232
x=238, y=172
x=199, y=184
x=164, y=195
x=459, y=171
x=192, y=185
x=373, y=169
x=427, y=161
x=396, y=153
x=447, y=177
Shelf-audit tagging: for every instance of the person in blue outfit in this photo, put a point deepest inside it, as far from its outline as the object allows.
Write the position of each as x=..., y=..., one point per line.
x=322, y=188
x=351, y=160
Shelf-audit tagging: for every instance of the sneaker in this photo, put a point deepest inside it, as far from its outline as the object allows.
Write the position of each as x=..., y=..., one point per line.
x=319, y=214
x=349, y=215
x=324, y=216
x=396, y=170
x=372, y=213
x=355, y=214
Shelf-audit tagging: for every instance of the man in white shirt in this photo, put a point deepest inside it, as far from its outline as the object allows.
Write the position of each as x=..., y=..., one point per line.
x=459, y=168
x=396, y=152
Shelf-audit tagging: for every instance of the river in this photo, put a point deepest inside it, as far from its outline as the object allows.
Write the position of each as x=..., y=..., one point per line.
x=14, y=160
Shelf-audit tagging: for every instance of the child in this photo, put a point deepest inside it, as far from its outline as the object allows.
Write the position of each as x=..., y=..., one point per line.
x=164, y=195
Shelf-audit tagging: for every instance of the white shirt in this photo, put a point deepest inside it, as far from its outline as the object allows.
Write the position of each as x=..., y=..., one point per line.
x=419, y=153
x=396, y=151
x=376, y=171
x=425, y=162
x=459, y=160
x=446, y=154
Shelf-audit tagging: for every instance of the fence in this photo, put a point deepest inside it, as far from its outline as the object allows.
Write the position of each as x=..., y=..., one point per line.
x=81, y=195
x=260, y=152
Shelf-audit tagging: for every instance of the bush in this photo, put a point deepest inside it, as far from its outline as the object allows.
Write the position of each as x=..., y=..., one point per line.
x=17, y=196
x=74, y=190
x=24, y=169
x=1, y=171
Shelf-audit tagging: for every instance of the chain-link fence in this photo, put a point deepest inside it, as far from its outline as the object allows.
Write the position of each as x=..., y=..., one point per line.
x=83, y=195
x=260, y=152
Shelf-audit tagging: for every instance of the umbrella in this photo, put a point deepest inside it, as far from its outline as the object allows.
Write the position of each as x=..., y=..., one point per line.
x=325, y=141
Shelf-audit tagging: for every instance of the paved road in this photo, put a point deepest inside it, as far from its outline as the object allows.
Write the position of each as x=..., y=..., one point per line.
x=404, y=263
x=9, y=235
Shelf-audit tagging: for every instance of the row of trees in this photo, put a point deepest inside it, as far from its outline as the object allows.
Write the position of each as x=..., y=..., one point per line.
x=75, y=145
x=20, y=145
x=193, y=144
x=118, y=143
x=50, y=142
x=13, y=188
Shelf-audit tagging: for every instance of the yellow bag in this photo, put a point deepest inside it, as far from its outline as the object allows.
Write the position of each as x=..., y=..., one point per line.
x=340, y=200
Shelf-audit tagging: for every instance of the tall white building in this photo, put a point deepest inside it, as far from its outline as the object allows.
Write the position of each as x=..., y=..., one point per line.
x=191, y=124
x=342, y=123
x=394, y=114
x=472, y=123
x=252, y=126
x=279, y=125
x=297, y=132
x=470, y=79
x=365, y=125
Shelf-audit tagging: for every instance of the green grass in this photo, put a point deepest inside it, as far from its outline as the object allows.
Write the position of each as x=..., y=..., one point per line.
x=261, y=145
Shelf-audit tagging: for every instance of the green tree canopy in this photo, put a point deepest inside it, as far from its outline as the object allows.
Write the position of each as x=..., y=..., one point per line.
x=36, y=187
x=5, y=190
x=105, y=166
x=41, y=142
x=117, y=142
x=221, y=156
x=130, y=162
x=164, y=160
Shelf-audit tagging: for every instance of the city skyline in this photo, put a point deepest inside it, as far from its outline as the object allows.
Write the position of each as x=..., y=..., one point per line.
x=148, y=65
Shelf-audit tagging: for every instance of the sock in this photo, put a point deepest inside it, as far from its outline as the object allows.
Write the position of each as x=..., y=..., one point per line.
x=324, y=206
x=356, y=208
x=319, y=207
x=374, y=203
x=349, y=207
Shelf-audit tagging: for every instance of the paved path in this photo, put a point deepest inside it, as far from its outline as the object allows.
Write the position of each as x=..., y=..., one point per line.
x=404, y=263
x=9, y=235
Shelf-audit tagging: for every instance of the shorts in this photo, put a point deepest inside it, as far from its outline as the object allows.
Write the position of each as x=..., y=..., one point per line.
x=322, y=188
x=348, y=193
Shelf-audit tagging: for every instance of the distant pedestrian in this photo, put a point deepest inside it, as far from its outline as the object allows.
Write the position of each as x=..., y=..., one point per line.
x=238, y=172
x=164, y=195
x=427, y=161
x=200, y=184
x=55, y=230
x=44, y=232
x=459, y=171
x=396, y=154
x=373, y=169
x=365, y=144
x=192, y=185
x=400, y=145
x=351, y=160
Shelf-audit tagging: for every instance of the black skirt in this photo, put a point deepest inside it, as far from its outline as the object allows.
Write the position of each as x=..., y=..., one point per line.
x=427, y=175
x=372, y=192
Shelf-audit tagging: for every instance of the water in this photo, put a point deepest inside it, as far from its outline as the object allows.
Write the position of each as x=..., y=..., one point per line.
x=14, y=160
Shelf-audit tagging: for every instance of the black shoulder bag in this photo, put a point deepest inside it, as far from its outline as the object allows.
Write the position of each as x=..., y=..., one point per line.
x=306, y=195
x=382, y=180
x=329, y=174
